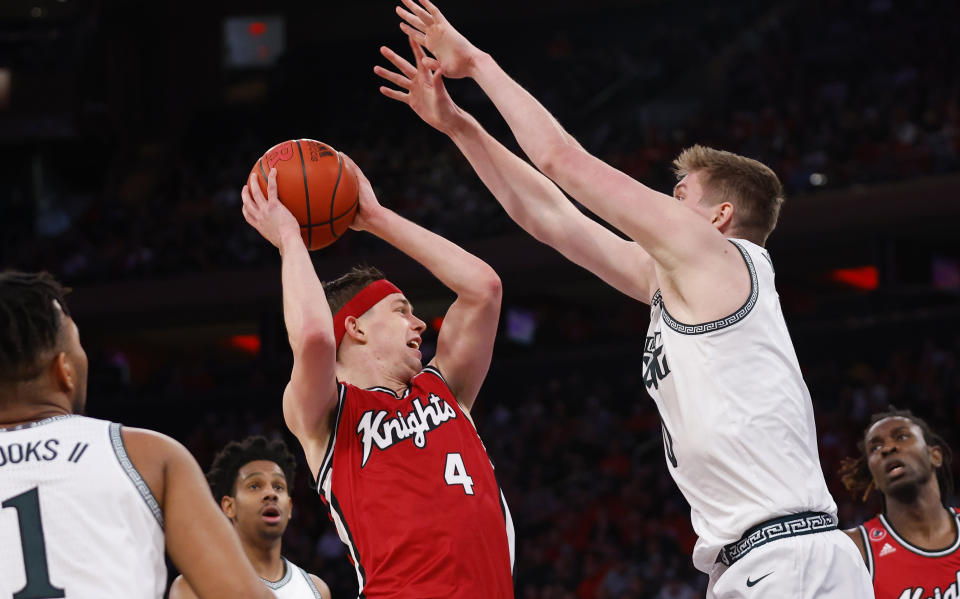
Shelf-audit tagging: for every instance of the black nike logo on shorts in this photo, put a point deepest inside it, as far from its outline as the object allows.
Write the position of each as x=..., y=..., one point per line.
x=750, y=583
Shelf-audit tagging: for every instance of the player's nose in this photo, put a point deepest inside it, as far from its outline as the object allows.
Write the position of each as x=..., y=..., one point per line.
x=418, y=325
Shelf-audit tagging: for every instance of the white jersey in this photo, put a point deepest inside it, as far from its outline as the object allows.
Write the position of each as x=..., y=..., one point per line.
x=738, y=425
x=295, y=584
x=77, y=520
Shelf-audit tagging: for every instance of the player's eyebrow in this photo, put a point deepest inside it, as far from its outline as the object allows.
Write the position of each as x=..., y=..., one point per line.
x=899, y=429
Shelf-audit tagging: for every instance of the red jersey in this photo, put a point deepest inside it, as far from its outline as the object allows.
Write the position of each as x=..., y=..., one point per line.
x=903, y=571
x=413, y=495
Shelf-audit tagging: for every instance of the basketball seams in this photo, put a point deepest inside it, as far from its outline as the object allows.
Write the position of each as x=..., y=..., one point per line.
x=322, y=177
x=333, y=198
x=306, y=194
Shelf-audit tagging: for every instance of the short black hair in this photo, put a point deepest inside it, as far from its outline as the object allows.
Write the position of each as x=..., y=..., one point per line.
x=30, y=322
x=341, y=290
x=855, y=473
x=222, y=475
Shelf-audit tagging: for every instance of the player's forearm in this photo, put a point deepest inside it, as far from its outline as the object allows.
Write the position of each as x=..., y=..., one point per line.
x=305, y=309
x=468, y=276
x=536, y=130
x=528, y=197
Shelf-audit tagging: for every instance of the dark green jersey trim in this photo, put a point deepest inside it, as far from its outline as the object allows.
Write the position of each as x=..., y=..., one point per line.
x=715, y=325
x=120, y=450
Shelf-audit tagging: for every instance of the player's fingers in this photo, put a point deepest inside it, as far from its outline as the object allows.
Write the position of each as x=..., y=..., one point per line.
x=272, y=185
x=411, y=18
x=418, y=56
x=398, y=61
x=255, y=190
x=431, y=63
x=394, y=78
x=392, y=93
x=432, y=10
x=419, y=11
x=361, y=178
x=247, y=214
x=411, y=32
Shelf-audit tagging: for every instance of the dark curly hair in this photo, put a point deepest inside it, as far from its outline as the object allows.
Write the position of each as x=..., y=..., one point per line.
x=222, y=475
x=30, y=323
x=855, y=473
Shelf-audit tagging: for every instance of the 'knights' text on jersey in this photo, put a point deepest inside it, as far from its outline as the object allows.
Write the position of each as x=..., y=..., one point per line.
x=904, y=571
x=413, y=495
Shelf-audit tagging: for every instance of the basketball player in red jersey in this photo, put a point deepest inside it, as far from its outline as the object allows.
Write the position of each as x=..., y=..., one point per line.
x=399, y=464
x=912, y=548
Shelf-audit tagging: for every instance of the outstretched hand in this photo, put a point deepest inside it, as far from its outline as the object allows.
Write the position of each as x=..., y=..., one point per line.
x=368, y=207
x=425, y=91
x=267, y=214
x=427, y=26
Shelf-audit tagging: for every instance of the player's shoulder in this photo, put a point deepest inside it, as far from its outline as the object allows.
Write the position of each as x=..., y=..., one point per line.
x=181, y=589
x=430, y=375
x=319, y=585
x=151, y=444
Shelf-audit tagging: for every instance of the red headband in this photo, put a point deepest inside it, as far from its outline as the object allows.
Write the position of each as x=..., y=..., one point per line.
x=360, y=303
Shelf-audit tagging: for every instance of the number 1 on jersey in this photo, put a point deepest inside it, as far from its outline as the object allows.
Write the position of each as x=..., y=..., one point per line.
x=34, y=547
x=455, y=473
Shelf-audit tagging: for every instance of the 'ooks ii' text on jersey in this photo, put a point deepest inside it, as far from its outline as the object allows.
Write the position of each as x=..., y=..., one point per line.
x=738, y=423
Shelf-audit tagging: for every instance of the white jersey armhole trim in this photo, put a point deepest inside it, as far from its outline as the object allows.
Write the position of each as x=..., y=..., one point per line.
x=313, y=588
x=120, y=450
x=722, y=323
x=867, y=550
x=328, y=454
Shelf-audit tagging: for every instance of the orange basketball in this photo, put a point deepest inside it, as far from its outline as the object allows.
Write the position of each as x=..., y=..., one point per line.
x=315, y=185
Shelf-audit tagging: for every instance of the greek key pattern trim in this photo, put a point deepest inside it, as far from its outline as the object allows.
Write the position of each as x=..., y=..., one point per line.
x=716, y=325
x=780, y=528
x=121, y=452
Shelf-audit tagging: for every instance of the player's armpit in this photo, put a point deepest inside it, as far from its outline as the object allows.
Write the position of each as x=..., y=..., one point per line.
x=199, y=538
x=465, y=342
x=310, y=418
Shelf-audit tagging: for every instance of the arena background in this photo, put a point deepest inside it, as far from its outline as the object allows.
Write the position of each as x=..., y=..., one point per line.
x=127, y=129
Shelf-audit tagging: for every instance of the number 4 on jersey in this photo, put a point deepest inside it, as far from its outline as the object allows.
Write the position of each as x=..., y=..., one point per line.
x=455, y=473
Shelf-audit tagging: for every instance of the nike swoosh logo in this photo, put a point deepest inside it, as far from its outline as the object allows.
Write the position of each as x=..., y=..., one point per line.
x=750, y=583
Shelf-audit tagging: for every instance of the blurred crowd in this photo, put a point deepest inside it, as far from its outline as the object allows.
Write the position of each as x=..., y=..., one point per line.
x=829, y=97
x=577, y=448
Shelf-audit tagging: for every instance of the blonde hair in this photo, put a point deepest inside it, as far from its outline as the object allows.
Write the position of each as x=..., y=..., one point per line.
x=751, y=186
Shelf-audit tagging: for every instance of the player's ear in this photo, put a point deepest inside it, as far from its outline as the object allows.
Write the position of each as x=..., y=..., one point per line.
x=64, y=374
x=723, y=215
x=228, y=507
x=936, y=456
x=290, y=511
x=352, y=327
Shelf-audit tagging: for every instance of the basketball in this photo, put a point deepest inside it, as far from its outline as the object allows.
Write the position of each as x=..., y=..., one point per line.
x=315, y=185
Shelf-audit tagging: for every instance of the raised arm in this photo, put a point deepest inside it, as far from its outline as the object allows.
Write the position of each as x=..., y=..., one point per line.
x=465, y=343
x=692, y=257
x=216, y=567
x=311, y=394
x=531, y=199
